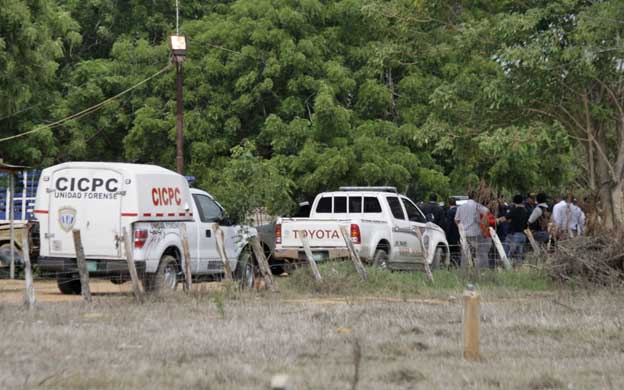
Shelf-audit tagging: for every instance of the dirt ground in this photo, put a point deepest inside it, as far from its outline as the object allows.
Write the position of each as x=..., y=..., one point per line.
x=211, y=340
x=47, y=291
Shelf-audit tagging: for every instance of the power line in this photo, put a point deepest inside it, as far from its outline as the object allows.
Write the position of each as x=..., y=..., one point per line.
x=87, y=110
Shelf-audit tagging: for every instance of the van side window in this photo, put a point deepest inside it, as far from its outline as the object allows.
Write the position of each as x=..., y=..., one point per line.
x=209, y=210
x=324, y=205
x=340, y=204
x=395, y=207
x=355, y=204
x=413, y=212
x=371, y=205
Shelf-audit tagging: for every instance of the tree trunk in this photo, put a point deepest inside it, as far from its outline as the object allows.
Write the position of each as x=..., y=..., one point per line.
x=617, y=200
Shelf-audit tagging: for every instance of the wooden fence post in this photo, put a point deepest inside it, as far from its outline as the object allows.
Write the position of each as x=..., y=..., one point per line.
x=472, y=322
x=219, y=237
x=309, y=256
x=29, y=293
x=136, y=285
x=532, y=241
x=500, y=249
x=82, y=266
x=188, y=276
x=426, y=263
x=355, y=258
x=263, y=264
x=466, y=261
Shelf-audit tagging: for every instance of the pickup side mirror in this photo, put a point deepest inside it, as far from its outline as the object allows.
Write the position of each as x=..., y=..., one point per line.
x=430, y=217
x=226, y=221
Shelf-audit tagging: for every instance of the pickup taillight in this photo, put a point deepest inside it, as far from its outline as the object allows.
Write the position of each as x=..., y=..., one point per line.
x=140, y=237
x=278, y=233
x=356, y=238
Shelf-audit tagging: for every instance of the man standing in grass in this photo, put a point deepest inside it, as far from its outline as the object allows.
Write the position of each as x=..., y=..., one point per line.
x=469, y=215
x=518, y=218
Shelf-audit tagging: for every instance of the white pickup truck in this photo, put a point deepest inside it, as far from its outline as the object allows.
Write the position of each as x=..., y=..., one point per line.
x=384, y=226
x=151, y=203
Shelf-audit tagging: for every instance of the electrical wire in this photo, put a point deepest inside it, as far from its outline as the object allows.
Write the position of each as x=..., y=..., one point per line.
x=87, y=110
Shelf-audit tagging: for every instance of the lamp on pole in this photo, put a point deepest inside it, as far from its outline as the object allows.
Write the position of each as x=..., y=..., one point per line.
x=177, y=43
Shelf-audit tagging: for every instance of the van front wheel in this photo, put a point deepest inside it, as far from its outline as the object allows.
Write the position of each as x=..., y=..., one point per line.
x=245, y=270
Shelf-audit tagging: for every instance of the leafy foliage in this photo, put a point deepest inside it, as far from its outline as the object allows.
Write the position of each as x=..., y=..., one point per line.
x=286, y=98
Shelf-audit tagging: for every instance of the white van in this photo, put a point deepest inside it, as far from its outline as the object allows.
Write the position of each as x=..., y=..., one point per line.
x=151, y=203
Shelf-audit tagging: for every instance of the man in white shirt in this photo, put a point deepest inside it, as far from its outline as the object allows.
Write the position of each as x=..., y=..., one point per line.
x=563, y=216
x=469, y=215
x=577, y=224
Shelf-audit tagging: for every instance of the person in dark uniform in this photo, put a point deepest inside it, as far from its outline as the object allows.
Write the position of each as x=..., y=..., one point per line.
x=434, y=212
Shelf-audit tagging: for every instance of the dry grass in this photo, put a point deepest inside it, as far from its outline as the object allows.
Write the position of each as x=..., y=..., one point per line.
x=225, y=340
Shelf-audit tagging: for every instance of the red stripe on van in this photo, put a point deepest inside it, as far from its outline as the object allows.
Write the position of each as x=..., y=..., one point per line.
x=40, y=211
x=129, y=214
x=171, y=214
x=159, y=214
x=147, y=214
x=182, y=214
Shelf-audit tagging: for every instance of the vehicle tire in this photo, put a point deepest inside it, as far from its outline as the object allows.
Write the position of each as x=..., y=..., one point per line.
x=380, y=259
x=438, y=258
x=5, y=254
x=69, y=285
x=166, y=277
x=245, y=272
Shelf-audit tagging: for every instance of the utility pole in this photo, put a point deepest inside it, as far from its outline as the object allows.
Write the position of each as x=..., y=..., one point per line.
x=178, y=53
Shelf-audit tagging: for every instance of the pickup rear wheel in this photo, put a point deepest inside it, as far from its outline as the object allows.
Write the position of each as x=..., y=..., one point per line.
x=166, y=277
x=380, y=259
x=68, y=284
x=245, y=270
x=438, y=257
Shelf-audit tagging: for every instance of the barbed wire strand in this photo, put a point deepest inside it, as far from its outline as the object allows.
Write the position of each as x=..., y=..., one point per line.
x=87, y=110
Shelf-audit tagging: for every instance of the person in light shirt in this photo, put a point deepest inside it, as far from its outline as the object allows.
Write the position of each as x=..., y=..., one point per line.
x=469, y=215
x=563, y=216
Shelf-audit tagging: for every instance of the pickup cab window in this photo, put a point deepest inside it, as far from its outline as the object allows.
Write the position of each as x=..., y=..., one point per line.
x=340, y=204
x=355, y=204
x=413, y=212
x=209, y=210
x=395, y=207
x=324, y=205
x=371, y=205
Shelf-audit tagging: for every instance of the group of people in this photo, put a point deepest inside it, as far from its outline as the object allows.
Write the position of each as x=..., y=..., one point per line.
x=531, y=214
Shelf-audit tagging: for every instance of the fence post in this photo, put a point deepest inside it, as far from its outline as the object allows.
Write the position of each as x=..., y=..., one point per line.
x=500, y=249
x=532, y=241
x=466, y=261
x=263, y=264
x=472, y=322
x=136, y=285
x=355, y=258
x=426, y=263
x=188, y=276
x=219, y=237
x=309, y=256
x=82, y=266
x=29, y=293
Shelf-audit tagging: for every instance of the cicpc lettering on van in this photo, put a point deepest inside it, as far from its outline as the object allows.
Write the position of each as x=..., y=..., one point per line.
x=86, y=188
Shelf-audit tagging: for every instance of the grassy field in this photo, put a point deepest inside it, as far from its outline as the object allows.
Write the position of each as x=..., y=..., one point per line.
x=402, y=333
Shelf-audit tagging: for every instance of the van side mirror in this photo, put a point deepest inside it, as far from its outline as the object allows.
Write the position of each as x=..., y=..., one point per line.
x=430, y=217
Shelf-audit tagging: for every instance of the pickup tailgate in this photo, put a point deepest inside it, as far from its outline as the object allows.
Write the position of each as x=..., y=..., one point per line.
x=321, y=233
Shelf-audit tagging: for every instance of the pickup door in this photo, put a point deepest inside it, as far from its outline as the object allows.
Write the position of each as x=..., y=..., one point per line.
x=205, y=257
x=406, y=246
